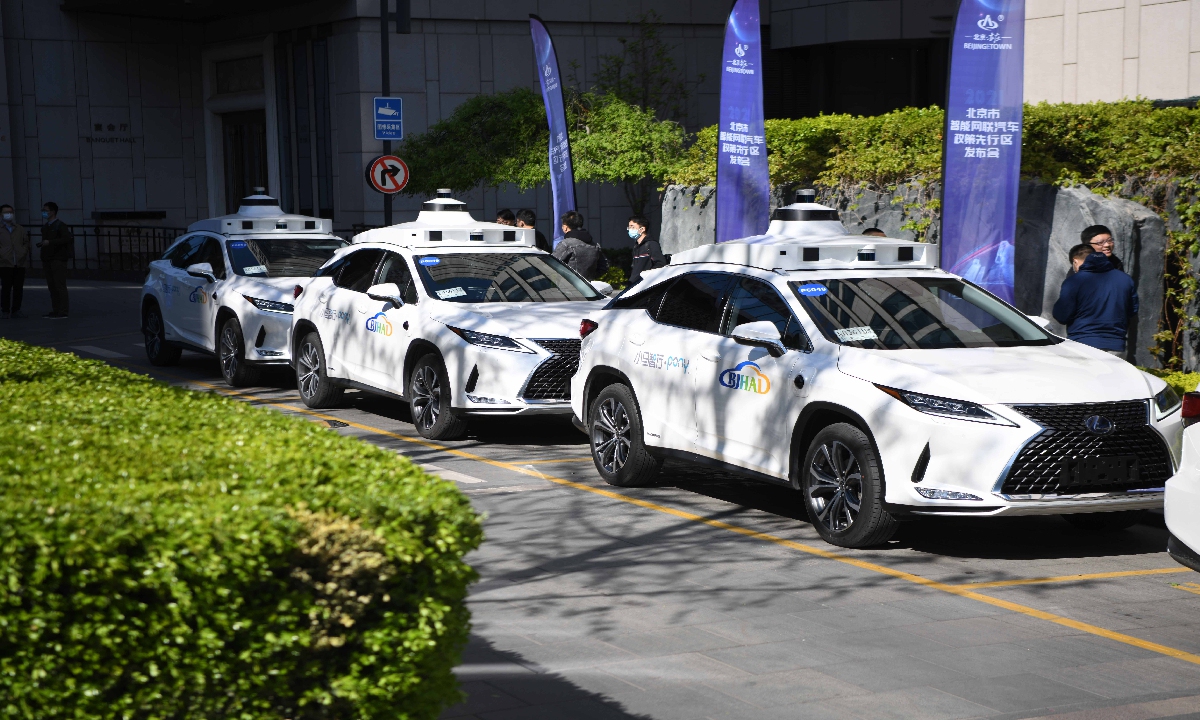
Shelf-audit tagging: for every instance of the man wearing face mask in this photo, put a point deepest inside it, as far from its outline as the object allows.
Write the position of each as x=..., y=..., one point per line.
x=14, y=258
x=647, y=255
x=57, y=247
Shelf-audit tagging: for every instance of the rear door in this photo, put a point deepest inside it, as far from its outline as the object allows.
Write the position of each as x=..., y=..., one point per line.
x=179, y=312
x=390, y=327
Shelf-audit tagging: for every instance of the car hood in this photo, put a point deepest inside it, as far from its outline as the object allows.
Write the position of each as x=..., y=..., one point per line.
x=267, y=288
x=528, y=320
x=1064, y=373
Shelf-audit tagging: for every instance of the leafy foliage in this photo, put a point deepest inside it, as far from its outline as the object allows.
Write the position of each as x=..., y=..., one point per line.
x=1182, y=382
x=644, y=74
x=173, y=554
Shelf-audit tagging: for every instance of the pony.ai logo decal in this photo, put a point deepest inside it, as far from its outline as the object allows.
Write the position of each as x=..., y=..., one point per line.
x=746, y=376
x=378, y=323
x=987, y=23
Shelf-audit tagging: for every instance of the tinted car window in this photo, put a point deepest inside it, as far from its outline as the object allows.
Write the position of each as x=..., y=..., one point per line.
x=358, y=270
x=210, y=252
x=280, y=257
x=395, y=270
x=694, y=301
x=502, y=277
x=756, y=301
x=648, y=300
x=180, y=255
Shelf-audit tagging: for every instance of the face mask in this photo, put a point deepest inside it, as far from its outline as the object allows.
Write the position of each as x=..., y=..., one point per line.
x=8, y=217
x=634, y=233
x=45, y=215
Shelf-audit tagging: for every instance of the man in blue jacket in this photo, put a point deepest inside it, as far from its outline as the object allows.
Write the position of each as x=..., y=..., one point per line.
x=1096, y=302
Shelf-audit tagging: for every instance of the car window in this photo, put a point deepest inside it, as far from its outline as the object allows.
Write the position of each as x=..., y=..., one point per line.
x=694, y=301
x=648, y=300
x=502, y=277
x=358, y=270
x=280, y=257
x=755, y=301
x=914, y=313
x=395, y=270
x=210, y=252
x=181, y=255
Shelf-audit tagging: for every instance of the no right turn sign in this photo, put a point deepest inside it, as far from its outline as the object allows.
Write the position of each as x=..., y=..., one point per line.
x=387, y=174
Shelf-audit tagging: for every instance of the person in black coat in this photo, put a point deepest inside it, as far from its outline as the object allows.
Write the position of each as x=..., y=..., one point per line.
x=578, y=251
x=647, y=254
x=57, y=246
x=527, y=219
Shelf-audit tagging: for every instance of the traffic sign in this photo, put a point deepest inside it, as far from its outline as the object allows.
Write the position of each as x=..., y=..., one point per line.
x=389, y=118
x=387, y=174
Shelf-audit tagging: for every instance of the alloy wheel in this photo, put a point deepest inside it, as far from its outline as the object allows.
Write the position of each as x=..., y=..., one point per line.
x=611, y=435
x=836, y=486
x=427, y=396
x=153, y=333
x=229, y=351
x=309, y=366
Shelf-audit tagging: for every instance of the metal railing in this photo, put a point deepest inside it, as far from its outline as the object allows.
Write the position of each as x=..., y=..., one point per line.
x=111, y=248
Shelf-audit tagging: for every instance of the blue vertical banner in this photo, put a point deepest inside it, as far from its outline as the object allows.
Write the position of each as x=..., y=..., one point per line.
x=562, y=175
x=743, y=183
x=982, y=161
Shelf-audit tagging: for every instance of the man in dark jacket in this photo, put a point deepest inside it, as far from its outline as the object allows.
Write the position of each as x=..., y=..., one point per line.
x=57, y=245
x=578, y=250
x=1096, y=303
x=647, y=254
x=1101, y=240
x=527, y=219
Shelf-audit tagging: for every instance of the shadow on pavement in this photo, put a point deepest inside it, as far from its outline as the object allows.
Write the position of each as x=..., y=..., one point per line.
x=505, y=685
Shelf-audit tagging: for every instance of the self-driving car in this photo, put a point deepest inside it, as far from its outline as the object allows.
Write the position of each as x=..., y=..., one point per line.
x=877, y=385
x=453, y=316
x=1181, y=506
x=225, y=287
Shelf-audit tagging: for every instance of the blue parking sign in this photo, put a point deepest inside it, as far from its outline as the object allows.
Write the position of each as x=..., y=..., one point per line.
x=389, y=118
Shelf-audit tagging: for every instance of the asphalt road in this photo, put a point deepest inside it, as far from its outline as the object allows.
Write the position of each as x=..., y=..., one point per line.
x=710, y=597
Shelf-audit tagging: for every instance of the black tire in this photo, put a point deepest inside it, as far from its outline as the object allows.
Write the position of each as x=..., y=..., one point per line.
x=1104, y=522
x=316, y=389
x=429, y=401
x=841, y=469
x=158, y=351
x=231, y=354
x=618, y=445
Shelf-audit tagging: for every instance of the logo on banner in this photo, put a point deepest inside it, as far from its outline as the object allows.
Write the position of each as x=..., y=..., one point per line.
x=546, y=70
x=740, y=50
x=987, y=23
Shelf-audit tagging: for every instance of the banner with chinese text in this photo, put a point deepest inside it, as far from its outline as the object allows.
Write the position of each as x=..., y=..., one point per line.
x=982, y=161
x=743, y=183
x=562, y=175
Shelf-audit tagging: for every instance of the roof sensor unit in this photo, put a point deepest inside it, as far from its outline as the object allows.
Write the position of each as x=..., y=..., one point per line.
x=310, y=224
x=510, y=236
x=281, y=225
x=812, y=254
x=904, y=254
x=806, y=196
x=247, y=224
x=435, y=236
x=443, y=192
x=477, y=237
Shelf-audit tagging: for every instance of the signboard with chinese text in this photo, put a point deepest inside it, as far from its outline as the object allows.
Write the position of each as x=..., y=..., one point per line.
x=562, y=175
x=389, y=118
x=743, y=183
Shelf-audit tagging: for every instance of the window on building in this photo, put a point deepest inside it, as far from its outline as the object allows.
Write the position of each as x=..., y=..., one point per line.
x=302, y=96
x=239, y=75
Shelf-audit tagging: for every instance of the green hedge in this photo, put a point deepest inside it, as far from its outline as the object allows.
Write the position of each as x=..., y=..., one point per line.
x=1183, y=382
x=174, y=554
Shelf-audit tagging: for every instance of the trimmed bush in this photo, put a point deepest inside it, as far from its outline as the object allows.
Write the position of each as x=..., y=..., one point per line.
x=1183, y=382
x=174, y=554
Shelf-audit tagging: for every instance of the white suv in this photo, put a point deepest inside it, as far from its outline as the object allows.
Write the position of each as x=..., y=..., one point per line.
x=225, y=287
x=454, y=316
x=854, y=371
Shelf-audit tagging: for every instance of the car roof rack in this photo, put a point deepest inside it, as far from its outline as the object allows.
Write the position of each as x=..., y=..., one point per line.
x=446, y=222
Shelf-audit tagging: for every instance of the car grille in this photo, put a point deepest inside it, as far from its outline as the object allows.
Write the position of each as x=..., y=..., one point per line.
x=552, y=379
x=1040, y=467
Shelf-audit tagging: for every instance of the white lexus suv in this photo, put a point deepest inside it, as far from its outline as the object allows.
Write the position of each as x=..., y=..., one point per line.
x=457, y=317
x=880, y=387
x=225, y=287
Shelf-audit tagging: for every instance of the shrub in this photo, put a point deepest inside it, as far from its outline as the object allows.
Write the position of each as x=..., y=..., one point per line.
x=1182, y=382
x=174, y=554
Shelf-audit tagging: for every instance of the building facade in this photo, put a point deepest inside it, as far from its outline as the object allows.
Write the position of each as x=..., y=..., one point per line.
x=151, y=113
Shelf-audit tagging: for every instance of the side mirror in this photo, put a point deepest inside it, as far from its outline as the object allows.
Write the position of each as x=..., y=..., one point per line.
x=386, y=292
x=761, y=334
x=201, y=270
x=603, y=288
x=1041, y=322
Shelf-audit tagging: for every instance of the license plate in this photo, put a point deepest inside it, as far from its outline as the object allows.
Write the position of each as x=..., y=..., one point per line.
x=1102, y=470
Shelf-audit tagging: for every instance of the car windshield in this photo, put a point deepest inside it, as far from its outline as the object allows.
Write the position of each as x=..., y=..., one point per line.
x=911, y=313
x=502, y=277
x=280, y=257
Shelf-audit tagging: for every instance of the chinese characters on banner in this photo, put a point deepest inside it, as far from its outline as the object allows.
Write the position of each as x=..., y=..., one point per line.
x=562, y=175
x=982, y=161
x=743, y=184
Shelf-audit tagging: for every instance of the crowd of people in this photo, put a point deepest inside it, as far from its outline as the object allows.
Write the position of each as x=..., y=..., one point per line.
x=57, y=247
x=578, y=250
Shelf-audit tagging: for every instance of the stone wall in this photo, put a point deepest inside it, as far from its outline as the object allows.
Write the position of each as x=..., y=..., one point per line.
x=1049, y=220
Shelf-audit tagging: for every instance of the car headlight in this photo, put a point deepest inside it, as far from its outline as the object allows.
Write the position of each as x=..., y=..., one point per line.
x=495, y=342
x=1166, y=402
x=269, y=305
x=945, y=407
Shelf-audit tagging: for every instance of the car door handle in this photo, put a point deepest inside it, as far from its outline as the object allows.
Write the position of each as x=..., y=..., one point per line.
x=637, y=339
x=711, y=356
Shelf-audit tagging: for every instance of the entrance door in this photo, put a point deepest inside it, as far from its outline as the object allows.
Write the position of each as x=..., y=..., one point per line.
x=245, y=140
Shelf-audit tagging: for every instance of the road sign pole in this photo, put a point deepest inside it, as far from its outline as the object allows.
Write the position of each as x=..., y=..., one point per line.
x=387, y=90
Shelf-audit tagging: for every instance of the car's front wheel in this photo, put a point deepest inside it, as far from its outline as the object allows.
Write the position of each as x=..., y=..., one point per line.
x=843, y=488
x=429, y=401
x=618, y=446
x=231, y=351
x=316, y=389
x=158, y=351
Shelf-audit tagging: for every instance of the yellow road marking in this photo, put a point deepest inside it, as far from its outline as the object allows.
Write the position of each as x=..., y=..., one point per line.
x=960, y=591
x=1190, y=587
x=1071, y=578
